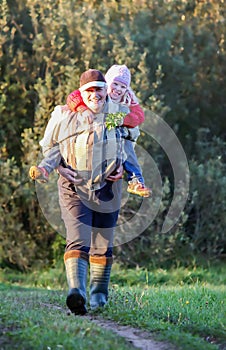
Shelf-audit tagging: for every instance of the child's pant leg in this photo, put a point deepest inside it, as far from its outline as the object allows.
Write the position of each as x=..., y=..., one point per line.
x=131, y=164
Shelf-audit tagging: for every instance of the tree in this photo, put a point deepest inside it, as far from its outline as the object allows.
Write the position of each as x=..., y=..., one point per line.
x=175, y=50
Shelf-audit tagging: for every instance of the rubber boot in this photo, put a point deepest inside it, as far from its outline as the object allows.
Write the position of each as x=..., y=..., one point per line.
x=76, y=263
x=100, y=270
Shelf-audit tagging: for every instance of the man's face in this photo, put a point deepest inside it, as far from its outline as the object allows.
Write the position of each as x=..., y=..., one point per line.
x=94, y=98
x=117, y=91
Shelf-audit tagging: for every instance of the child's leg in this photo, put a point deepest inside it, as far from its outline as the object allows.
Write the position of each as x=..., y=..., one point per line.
x=131, y=164
x=135, y=178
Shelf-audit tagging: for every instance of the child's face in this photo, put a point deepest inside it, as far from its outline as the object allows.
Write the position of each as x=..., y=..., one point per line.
x=117, y=91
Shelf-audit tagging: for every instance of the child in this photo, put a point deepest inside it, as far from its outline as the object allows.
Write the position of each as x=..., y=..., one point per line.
x=118, y=78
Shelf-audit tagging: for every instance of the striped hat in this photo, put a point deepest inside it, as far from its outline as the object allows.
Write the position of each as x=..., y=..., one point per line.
x=118, y=73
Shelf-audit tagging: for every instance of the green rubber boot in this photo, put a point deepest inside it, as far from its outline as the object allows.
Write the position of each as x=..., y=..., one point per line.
x=100, y=270
x=76, y=263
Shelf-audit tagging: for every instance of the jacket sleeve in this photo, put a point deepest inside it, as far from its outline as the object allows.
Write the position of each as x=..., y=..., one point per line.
x=49, y=139
x=135, y=116
x=75, y=101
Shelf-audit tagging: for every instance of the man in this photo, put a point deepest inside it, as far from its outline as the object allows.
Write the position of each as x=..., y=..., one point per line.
x=89, y=189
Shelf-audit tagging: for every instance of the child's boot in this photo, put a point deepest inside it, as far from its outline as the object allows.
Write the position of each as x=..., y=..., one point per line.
x=135, y=186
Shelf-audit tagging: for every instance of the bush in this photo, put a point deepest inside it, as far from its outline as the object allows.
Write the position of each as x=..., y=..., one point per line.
x=25, y=236
x=207, y=220
x=175, y=50
x=199, y=234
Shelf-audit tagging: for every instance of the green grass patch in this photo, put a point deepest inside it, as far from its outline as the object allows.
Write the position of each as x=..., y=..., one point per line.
x=37, y=319
x=192, y=317
x=54, y=278
x=185, y=307
x=215, y=275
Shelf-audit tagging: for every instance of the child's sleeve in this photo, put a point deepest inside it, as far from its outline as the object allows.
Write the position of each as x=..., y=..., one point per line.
x=75, y=102
x=135, y=117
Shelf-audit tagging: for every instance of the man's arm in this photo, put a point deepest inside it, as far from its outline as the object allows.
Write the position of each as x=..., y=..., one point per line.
x=49, y=140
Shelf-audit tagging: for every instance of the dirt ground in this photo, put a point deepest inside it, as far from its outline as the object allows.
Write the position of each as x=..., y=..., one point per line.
x=139, y=339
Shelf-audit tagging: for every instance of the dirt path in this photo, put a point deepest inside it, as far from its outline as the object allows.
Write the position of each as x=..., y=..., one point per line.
x=138, y=338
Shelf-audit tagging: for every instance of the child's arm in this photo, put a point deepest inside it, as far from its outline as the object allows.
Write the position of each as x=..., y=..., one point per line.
x=75, y=101
x=136, y=115
x=132, y=119
x=76, y=104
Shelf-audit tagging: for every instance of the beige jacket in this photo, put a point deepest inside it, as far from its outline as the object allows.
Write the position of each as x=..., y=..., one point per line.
x=90, y=148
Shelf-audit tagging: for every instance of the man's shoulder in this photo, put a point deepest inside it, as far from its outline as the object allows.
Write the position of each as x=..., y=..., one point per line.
x=62, y=109
x=62, y=112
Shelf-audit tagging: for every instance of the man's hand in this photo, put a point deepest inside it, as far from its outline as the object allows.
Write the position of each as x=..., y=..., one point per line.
x=69, y=174
x=117, y=175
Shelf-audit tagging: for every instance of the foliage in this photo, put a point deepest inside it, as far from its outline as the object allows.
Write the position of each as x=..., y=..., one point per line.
x=175, y=51
x=114, y=119
x=25, y=235
x=206, y=223
x=200, y=231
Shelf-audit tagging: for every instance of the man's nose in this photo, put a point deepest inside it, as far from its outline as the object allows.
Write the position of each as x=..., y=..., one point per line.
x=94, y=93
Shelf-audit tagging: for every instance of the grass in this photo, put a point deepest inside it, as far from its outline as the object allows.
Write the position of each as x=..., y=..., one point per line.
x=188, y=316
x=182, y=306
x=37, y=319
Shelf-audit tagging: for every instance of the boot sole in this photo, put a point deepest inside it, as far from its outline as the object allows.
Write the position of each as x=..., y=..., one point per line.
x=76, y=303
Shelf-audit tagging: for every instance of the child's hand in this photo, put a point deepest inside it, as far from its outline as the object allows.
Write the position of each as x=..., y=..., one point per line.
x=130, y=98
